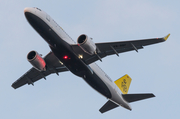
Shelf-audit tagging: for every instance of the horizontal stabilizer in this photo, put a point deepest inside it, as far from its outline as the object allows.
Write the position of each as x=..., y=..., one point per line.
x=108, y=106
x=136, y=97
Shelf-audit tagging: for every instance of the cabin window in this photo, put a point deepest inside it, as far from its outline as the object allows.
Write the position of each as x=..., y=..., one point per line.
x=37, y=8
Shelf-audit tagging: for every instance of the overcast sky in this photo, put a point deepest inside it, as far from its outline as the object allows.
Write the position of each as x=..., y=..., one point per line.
x=155, y=69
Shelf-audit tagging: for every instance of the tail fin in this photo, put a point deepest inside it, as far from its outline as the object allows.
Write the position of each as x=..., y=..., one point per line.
x=136, y=97
x=123, y=83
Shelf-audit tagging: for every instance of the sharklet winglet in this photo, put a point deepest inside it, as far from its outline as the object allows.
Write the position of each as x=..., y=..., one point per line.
x=166, y=37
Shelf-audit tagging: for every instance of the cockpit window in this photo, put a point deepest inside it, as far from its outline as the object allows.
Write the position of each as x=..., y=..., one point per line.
x=37, y=8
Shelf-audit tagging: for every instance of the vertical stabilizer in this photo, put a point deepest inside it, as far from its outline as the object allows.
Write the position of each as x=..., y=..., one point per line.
x=123, y=83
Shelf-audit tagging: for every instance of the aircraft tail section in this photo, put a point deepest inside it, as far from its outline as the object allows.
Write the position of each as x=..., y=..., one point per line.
x=123, y=83
x=124, y=99
x=136, y=97
x=108, y=106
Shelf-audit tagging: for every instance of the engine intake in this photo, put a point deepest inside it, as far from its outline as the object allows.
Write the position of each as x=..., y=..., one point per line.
x=36, y=60
x=86, y=44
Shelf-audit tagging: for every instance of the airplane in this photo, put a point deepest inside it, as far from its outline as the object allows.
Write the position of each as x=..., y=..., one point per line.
x=79, y=58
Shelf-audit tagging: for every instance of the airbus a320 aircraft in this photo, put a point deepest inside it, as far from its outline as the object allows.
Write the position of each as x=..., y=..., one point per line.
x=79, y=58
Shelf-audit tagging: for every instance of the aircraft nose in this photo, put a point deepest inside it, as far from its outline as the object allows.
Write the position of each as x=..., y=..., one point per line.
x=29, y=14
x=27, y=9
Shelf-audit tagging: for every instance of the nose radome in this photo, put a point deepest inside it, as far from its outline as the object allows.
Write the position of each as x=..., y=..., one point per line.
x=27, y=9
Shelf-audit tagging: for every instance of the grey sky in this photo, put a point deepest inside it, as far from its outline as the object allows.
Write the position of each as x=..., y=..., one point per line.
x=154, y=69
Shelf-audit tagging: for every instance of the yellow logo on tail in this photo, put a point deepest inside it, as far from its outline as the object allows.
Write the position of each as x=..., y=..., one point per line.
x=123, y=83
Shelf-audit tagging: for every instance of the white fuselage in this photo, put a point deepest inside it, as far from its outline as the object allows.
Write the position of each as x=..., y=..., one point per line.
x=116, y=96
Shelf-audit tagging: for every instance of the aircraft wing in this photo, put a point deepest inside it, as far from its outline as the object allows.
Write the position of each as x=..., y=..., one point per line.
x=110, y=48
x=33, y=75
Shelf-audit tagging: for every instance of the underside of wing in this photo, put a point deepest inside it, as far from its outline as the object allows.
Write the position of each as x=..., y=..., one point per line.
x=110, y=48
x=33, y=75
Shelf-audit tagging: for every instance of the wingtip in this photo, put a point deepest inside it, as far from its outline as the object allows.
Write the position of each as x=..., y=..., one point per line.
x=13, y=86
x=166, y=37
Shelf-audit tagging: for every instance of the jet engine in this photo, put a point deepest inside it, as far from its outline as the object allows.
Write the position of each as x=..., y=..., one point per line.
x=36, y=60
x=86, y=44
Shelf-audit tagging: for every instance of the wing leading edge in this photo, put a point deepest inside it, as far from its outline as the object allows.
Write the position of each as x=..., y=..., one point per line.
x=33, y=75
x=111, y=48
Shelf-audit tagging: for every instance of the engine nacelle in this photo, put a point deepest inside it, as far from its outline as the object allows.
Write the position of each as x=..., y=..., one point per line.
x=86, y=44
x=36, y=60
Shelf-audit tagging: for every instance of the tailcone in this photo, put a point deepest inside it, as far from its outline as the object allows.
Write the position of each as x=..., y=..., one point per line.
x=126, y=105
